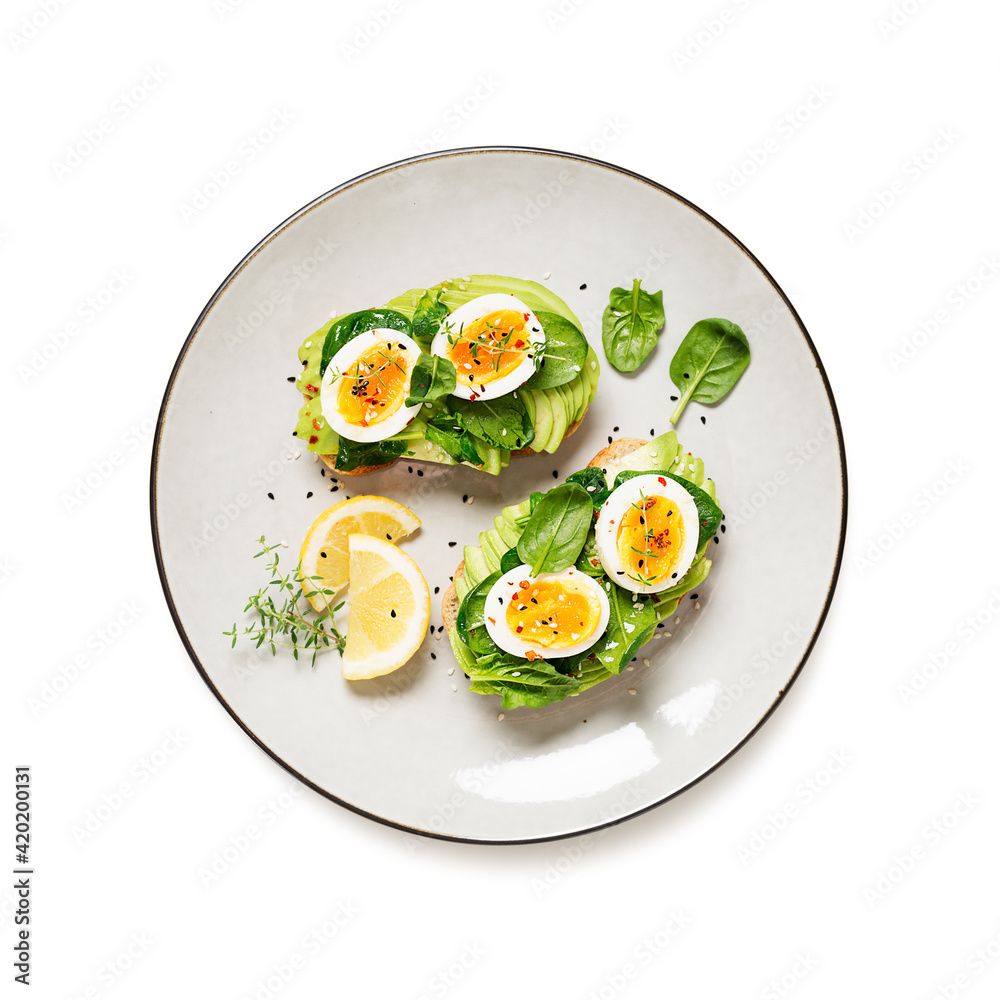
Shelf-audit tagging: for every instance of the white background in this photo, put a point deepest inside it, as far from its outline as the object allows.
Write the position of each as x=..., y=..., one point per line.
x=881, y=878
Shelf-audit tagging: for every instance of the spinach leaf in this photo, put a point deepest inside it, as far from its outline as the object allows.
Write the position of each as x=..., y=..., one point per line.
x=510, y=560
x=471, y=620
x=708, y=363
x=563, y=356
x=536, y=683
x=348, y=327
x=709, y=512
x=630, y=325
x=557, y=529
x=628, y=627
x=501, y=422
x=446, y=432
x=432, y=378
x=594, y=482
x=351, y=454
x=428, y=315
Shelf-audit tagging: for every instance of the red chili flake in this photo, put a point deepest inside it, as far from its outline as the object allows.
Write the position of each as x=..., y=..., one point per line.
x=310, y=387
x=523, y=583
x=661, y=480
x=532, y=655
x=526, y=317
x=519, y=343
x=317, y=425
x=492, y=621
x=519, y=629
x=313, y=439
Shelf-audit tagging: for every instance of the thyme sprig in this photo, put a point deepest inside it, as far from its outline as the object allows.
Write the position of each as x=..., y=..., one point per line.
x=278, y=607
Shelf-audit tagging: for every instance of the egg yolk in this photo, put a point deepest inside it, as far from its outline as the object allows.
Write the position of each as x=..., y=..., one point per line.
x=490, y=347
x=374, y=386
x=650, y=540
x=552, y=613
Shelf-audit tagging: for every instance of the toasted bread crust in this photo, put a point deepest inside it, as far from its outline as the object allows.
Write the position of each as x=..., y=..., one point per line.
x=617, y=449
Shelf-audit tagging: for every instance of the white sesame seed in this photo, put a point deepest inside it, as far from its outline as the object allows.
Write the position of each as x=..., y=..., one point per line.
x=630, y=667
x=500, y=717
x=297, y=454
x=315, y=458
x=546, y=276
x=593, y=366
x=309, y=343
x=677, y=620
x=645, y=661
x=454, y=687
x=437, y=635
x=471, y=499
x=667, y=635
x=697, y=605
x=451, y=670
x=284, y=545
x=504, y=431
x=631, y=691
x=516, y=673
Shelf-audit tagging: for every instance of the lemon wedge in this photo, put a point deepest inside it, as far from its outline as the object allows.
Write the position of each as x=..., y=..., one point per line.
x=324, y=552
x=389, y=608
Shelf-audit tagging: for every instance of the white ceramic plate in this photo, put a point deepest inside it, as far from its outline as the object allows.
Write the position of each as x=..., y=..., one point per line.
x=406, y=749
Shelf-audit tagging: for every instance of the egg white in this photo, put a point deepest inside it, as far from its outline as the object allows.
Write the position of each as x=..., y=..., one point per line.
x=501, y=594
x=467, y=314
x=342, y=361
x=610, y=518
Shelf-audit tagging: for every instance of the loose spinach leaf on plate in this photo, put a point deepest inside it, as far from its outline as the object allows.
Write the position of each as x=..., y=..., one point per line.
x=348, y=327
x=557, y=529
x=351, y=454
x=471, y=620
x=502, y=422
x=432, y=378
x=709, y=362
x=563, y=356
x=709, y=512
x=429, y=314
x=631, y=324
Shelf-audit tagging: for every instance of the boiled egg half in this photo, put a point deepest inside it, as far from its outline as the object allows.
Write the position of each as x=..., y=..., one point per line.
x=550, y=615
x=366, y=383
x=492, y=341
x=647, y=534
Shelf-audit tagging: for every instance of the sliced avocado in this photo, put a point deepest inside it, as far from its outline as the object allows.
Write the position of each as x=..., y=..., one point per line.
x=662, y=449
x=508, y=534
x=493, y=548
x=560, y=418
x=542, y=420
x=476, y=569
x=579, y=392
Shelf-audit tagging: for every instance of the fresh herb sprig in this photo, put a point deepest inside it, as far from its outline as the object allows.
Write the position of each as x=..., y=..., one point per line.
x=278, y=606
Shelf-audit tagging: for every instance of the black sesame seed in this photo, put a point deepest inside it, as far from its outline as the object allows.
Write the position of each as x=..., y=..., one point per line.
x=295, y=434
x=322, y=472
x=500, y=600
x=392, y=613
x=659, y=625
x=610, y=439
x=716, y=539
x=621, y=572
x=437, y=590
x=409, y=468
x=323, y=555
x=388, y=536
x=674, y=399
x=652, y=433
x=333, y=489
x=616, y=430
x=555, y=474
x=420, y=472
x=291, y=378
x=582, y=287
x=693, y=597
x=451, y=545
x=271, y=495
x=723, y=529
x=673, y=576
x=465, y=498
x=433, y=657
x=309, y=494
